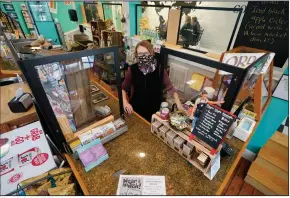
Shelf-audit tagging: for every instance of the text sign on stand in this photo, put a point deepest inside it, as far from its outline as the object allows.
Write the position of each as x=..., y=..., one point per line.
x=213, y=125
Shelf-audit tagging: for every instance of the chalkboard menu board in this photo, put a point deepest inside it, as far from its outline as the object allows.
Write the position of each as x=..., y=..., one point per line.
x=213, y=125
x=265, y=26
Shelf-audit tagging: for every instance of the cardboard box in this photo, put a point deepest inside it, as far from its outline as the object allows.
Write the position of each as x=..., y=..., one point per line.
x=186, y=150
x=162, y=132
x=156, y=125
x=170, y=137
x=178, y=143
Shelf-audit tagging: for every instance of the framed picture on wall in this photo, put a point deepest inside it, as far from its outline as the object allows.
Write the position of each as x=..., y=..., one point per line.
x=8, y=7
x=13, y=15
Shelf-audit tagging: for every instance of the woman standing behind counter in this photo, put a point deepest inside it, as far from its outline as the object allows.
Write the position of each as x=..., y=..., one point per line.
x=144, y=80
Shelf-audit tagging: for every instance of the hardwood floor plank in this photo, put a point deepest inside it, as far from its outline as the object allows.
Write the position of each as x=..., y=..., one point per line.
x=258, y=193
x=243, y=169
x=246, y=189
x=232, y=177
x=235, y=186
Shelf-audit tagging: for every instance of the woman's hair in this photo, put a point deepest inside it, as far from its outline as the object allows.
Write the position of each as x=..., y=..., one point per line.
x=203, y=92
x=145, y=44
x=187, y=19
x=194, y=19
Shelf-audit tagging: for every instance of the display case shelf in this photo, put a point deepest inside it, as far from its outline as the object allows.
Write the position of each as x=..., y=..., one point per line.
x=61, y=87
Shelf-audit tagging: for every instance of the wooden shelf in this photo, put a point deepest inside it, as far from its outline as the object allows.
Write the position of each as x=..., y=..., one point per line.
x=194, y=144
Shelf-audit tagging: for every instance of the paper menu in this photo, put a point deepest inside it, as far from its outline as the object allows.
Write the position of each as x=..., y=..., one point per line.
x=141, y=185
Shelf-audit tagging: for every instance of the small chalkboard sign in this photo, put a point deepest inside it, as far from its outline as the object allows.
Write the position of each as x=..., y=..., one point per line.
x=213, y=125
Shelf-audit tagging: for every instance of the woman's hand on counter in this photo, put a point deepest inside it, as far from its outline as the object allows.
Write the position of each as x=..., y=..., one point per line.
x=128, y=108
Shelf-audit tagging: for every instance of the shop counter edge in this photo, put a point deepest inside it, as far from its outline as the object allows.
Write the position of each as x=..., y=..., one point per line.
x=76, y=174
x=235, y=164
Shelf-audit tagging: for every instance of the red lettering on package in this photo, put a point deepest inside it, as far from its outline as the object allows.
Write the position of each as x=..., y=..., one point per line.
x=6, y=167
x=27, y=137
x=15, y=178
x=12, y=143
x=35, y=134
x=39, y=159
x=19, y=140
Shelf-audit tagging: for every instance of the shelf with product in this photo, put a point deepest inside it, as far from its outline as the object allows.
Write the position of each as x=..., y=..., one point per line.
x=65, y=94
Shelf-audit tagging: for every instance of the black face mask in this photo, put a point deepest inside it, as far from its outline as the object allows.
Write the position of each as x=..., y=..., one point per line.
x=146, y=63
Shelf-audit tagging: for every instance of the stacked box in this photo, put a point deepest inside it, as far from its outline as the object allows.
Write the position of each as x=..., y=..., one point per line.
x=178, y=143
x=156, y=125
x=202, y=159
x=170, y=138
x=162, y=132
x=186, y=150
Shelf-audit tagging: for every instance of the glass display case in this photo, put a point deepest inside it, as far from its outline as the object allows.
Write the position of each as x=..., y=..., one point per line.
x=197, y=74
x=67, y=92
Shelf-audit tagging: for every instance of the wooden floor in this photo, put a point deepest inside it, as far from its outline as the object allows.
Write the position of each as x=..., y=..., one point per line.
x=236, y=184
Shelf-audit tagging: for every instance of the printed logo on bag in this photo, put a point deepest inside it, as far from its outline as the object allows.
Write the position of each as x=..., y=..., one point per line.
x=6, y=167
x=15, y=178
x=39, y=159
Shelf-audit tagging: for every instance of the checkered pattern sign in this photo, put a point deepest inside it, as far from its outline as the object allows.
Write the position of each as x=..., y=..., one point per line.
x=284, y=127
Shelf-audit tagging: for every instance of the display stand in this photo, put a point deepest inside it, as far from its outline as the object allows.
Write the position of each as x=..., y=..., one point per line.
x=244, y=93
x=111, y=38
x=97, y=27
x=188, y=149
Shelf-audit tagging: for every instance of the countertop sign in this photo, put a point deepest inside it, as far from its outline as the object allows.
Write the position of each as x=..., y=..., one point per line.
x=213, y=125
x=265, y=26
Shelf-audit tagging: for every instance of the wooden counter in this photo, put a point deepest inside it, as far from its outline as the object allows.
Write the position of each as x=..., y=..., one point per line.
x=9, y=119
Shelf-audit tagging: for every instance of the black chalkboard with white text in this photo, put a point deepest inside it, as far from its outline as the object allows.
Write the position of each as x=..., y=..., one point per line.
x=213, y=125
x=265, y=26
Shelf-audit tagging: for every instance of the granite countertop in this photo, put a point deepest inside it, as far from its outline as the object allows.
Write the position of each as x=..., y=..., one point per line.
x=160, y=159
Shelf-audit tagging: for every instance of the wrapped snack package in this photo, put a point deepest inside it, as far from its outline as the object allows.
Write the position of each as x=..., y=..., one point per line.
x=59, y=170
x=43, y=187
x=32, y=179
x=103, y=130
x=63, y=190
x=31, y=192
x=86, y=137
x=119, y=123
x=64, y=181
